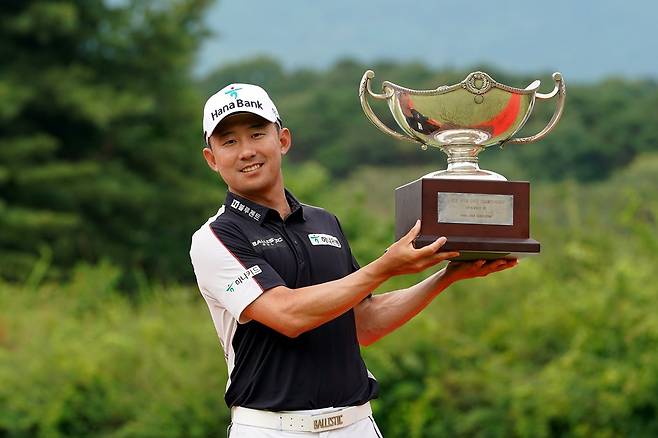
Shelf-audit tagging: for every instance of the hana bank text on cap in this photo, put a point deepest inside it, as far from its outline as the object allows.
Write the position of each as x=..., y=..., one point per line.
x=236, y=98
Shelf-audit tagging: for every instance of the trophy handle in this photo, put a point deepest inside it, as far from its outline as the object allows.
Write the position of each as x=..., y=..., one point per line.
x=365, y=86
x=560, y=90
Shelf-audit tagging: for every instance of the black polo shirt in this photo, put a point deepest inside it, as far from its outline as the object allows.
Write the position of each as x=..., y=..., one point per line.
x=246, y=249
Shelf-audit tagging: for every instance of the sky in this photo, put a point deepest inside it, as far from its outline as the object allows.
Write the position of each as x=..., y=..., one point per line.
x=586, y=40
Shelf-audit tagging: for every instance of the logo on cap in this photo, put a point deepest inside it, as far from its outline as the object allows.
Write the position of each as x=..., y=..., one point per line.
x=233, y=92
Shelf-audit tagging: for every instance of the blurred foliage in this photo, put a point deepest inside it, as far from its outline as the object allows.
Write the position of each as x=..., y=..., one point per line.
x=97, y=134
x=80, y=360
x=566, y=344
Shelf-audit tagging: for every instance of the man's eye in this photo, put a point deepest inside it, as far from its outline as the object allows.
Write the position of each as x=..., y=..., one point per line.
x=228, y=143
x=258, y=134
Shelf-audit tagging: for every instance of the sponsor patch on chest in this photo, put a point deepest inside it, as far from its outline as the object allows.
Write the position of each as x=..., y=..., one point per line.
x=268, y=242
x=324, y=239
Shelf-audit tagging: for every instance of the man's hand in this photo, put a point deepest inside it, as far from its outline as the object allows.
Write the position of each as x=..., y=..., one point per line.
x=456, y=271
x=403, y=258
x=381, y=314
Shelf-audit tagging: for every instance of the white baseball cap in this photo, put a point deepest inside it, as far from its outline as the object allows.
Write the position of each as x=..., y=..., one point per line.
x=237, y=98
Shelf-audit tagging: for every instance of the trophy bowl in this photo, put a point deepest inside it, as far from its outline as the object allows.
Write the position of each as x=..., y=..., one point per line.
x=462, y=119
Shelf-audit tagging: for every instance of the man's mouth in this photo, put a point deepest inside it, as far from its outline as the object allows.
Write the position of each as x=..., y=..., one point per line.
x=251, y=168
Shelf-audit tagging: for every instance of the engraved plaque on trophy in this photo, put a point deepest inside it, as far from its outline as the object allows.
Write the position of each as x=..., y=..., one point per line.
x=481, y=213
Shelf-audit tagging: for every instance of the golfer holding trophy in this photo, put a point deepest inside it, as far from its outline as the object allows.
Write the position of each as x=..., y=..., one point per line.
x=290, y=304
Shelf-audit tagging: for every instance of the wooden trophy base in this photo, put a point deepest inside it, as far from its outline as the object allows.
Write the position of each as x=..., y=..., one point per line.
x=482, y=219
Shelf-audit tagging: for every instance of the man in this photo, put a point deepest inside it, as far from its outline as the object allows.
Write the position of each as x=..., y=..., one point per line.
x=288, y=300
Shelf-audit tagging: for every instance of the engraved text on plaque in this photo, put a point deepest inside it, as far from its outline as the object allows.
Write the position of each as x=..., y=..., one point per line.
x=475, y=208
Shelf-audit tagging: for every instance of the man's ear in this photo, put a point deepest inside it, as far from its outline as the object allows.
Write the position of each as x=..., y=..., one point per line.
x=285, y=138
x=210, y=158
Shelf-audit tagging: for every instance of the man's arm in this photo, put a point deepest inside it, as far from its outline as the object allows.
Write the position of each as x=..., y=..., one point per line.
x=381, y=314
x=295, y=311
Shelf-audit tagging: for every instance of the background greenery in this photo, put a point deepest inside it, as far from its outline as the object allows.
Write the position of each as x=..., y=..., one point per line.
x=102, y=330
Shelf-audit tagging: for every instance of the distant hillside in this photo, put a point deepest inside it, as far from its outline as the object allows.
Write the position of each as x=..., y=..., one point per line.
x=604, y=125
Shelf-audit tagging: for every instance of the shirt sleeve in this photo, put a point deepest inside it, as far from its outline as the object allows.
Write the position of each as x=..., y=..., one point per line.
x=228, y=269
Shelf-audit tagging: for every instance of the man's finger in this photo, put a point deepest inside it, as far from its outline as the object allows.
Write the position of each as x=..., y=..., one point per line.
x=508, y=264
x=439, y=257
x=501, y=264
x=497, y=263
x=413, y=233
x=447, y=255
x=436, y=245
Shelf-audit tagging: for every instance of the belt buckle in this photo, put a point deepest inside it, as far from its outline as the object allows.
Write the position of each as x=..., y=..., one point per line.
x=328, y=421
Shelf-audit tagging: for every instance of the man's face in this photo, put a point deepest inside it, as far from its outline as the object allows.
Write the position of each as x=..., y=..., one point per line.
x=246, y=151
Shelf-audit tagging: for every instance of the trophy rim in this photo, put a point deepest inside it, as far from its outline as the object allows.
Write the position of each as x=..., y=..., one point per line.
x=489, y=83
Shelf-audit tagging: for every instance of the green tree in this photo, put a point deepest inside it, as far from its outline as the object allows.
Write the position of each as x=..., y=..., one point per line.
x=97, y=149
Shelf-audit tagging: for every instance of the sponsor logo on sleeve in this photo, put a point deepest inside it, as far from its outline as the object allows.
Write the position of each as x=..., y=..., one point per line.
x=324, y=239
x=242, y=278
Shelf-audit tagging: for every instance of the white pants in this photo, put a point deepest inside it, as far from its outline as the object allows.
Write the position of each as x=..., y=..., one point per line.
x=366, y=428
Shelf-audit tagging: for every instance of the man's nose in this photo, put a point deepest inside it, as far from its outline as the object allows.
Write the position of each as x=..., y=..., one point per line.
x=247, y=152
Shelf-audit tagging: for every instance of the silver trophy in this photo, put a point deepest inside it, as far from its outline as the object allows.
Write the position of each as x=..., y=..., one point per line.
x=462, y=119
x=482, y=214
